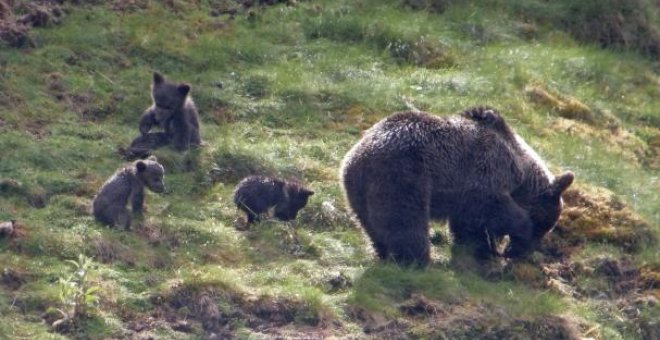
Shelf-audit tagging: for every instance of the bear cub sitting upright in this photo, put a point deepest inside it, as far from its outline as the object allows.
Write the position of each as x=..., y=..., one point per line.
x=256, y=194
x=109, y=205
x=174, y=111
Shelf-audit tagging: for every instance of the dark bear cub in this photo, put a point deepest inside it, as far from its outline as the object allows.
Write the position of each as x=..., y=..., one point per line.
x=470, y=169
x=174, y=111
x=256, y=194
x=128, y=183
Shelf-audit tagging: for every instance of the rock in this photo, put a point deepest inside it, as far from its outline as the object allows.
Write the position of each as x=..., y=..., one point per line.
x=7, y=228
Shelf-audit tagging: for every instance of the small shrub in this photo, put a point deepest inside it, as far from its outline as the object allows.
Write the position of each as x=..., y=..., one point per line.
x=77, y=294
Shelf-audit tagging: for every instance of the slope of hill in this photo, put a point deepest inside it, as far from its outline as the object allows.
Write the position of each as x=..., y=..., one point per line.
x=285, y=88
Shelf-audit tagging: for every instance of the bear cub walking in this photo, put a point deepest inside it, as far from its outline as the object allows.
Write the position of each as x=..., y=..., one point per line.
x=128, y=183
x=256, y=194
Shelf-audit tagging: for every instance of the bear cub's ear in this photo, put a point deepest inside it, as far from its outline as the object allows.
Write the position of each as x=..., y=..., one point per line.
x=140, y=166
x=152, y=158
x=158, y=78
x=562, y=182
x=183, y=89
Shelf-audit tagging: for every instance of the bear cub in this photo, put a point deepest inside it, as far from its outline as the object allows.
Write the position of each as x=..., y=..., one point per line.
x=128, y=183
x=174, y=111
x=256, y=194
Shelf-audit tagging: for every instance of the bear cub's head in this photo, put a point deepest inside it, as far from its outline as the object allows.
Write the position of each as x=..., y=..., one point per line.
x=295, y=198
x=168, y=97
x=151, y=173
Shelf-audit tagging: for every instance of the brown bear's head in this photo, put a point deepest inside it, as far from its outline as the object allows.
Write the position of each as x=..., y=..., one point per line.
x=544, y=209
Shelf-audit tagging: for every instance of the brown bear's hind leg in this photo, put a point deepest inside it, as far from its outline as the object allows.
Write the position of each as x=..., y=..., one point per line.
x=400, y=226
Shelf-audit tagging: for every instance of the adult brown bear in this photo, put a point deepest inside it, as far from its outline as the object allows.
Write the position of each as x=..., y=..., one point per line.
x=470, y=169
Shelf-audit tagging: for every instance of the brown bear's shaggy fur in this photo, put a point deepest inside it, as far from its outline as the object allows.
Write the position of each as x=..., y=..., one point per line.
x=470, y=169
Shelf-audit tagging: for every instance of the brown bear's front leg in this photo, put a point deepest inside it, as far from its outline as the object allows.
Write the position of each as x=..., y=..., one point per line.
x=489, y=216
x=521, y=244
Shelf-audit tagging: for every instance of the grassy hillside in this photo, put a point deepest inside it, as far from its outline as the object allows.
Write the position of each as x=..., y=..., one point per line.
x=286, y=90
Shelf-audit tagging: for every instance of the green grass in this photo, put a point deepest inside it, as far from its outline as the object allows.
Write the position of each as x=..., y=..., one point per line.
x=299, y=84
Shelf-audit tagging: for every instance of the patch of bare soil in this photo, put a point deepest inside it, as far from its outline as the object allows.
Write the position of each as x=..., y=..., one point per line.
x=615, y=283
x=378, y=326
x=623, y=24
x=18, y=17
x=626, y=288
x=435, y=6
x=651, y=159
x=13, y=278
x=623, y=289
x=83, y=103
x=156, y=236
x=423, y=52
x=13, y=34
x=467, y=320
x=419, y=306
x=218, y=310
x=34, y=196
x=108, y=251
x=129, y=5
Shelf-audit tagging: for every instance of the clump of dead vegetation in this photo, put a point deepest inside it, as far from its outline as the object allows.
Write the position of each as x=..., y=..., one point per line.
x=597, y=215
x=580, y=120
x=569, y=107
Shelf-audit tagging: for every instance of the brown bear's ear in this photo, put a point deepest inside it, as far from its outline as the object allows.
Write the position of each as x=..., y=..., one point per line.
x=152, y=158
x=183, y=89
x=140, y=166
x=562, y=182
x=158, y=78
